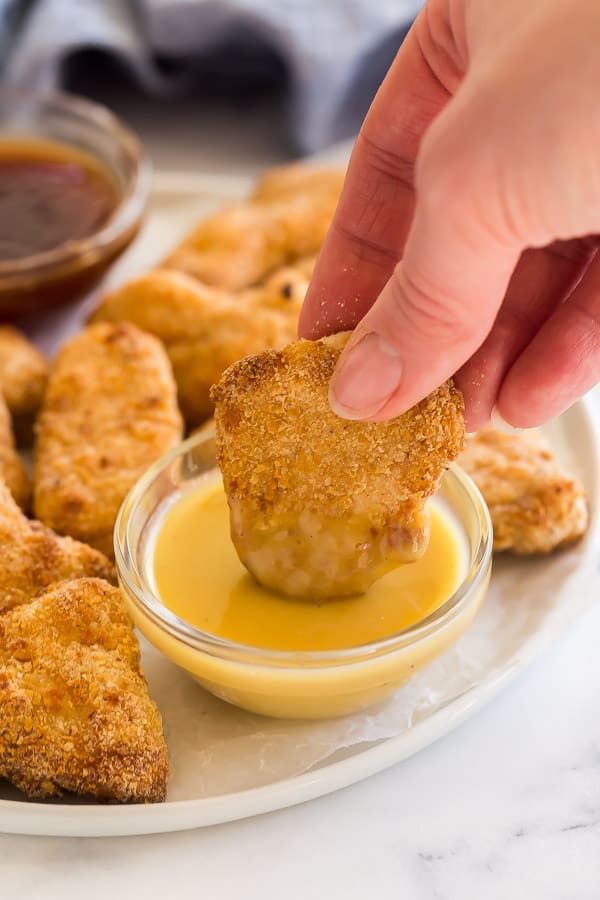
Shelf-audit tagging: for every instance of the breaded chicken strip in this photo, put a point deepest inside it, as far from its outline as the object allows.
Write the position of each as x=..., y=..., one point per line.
x=23, y=378
x=75, y=714
x=321, y=506
x=110, y=410
x=534, y=504
x=205, y=329
x=34, y=557
x=298, y=180
x=12, y=469
x=285, y=220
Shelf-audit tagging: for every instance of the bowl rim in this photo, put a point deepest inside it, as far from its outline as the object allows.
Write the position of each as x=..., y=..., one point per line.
x=135, y=584
x=131, y=203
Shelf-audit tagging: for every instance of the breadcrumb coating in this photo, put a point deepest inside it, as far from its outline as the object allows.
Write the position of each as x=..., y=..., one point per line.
x=23, y=379
x=33, y=557
x=535, y=506
x=285, y=219
x=75, y=713
x=321, y=506
x=110, y=410
x=12, y=469
x=205, y=329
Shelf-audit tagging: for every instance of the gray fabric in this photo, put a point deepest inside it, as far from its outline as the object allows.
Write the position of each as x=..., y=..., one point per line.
x=334, y=52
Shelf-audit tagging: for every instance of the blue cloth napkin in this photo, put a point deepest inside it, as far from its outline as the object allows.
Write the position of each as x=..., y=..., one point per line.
x=330, y=54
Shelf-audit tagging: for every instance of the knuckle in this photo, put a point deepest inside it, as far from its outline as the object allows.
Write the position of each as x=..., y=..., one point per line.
x=387, y=163
x=428, y=314
x=367, y=246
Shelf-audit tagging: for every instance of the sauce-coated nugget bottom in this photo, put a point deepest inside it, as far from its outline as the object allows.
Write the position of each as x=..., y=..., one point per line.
x=322, y=506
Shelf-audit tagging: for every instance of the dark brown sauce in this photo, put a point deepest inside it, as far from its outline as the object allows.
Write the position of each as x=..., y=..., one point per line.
x=49, y=194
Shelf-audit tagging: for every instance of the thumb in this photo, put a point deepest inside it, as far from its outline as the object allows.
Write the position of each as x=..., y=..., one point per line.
x=442, y=298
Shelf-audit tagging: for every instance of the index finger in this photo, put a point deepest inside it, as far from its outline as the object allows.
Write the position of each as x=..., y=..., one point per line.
x=373, y=217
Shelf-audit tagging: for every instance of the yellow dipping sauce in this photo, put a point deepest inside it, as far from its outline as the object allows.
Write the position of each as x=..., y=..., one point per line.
x=285, y=658
x=199, y=577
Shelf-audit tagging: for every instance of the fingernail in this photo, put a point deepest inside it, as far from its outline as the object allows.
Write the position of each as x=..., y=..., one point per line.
x=365, y=379
x=501, y=424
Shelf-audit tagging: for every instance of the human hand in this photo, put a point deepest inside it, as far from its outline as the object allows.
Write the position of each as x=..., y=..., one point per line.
x=478, y=167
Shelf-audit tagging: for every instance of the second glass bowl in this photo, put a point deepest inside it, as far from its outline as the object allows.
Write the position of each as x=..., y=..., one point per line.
x=67, y=272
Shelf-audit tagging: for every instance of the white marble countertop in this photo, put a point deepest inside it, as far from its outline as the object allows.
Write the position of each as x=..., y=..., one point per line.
x=508, y=806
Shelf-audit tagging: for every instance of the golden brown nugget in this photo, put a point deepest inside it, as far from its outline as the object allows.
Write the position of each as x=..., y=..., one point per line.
x=298, y=179
x=534, y=504
x=205, y=329
x=34, y=557
x=75, y=713
x=12, y=469
x=23, y=378
x=286, y=219
x=110, y=410
x=321, y=506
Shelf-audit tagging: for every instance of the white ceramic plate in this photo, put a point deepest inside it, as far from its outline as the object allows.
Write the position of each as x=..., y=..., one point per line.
x=228, y=764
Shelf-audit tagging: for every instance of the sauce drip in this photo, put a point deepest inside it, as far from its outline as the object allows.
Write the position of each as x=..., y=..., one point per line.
x=50, y=193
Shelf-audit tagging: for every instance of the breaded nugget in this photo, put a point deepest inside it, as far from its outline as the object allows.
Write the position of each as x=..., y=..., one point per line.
x=110, y=410
x=298, y=179
x=75, y=713
x=23, y=378
x=33, y=557
x=285, y=220
x=204, y=329
x=12, y=469
x=534, y=504
x=321, y=506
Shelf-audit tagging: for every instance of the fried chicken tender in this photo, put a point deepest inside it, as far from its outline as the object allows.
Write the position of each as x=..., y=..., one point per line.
x=205, y=329
x=535, y=506
x=110, y=410
x=286, y=219
x=33, y=557
x=321, y=506
x=12, y=469
x=298, y=179
x=75, y=713
x=23, y=378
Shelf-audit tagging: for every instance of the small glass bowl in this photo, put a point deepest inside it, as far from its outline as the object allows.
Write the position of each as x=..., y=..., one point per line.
x=290, y=684
x=59, y=276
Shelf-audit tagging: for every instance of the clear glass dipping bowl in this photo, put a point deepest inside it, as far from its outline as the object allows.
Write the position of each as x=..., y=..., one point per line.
x=64, y=274
x=298, y=684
